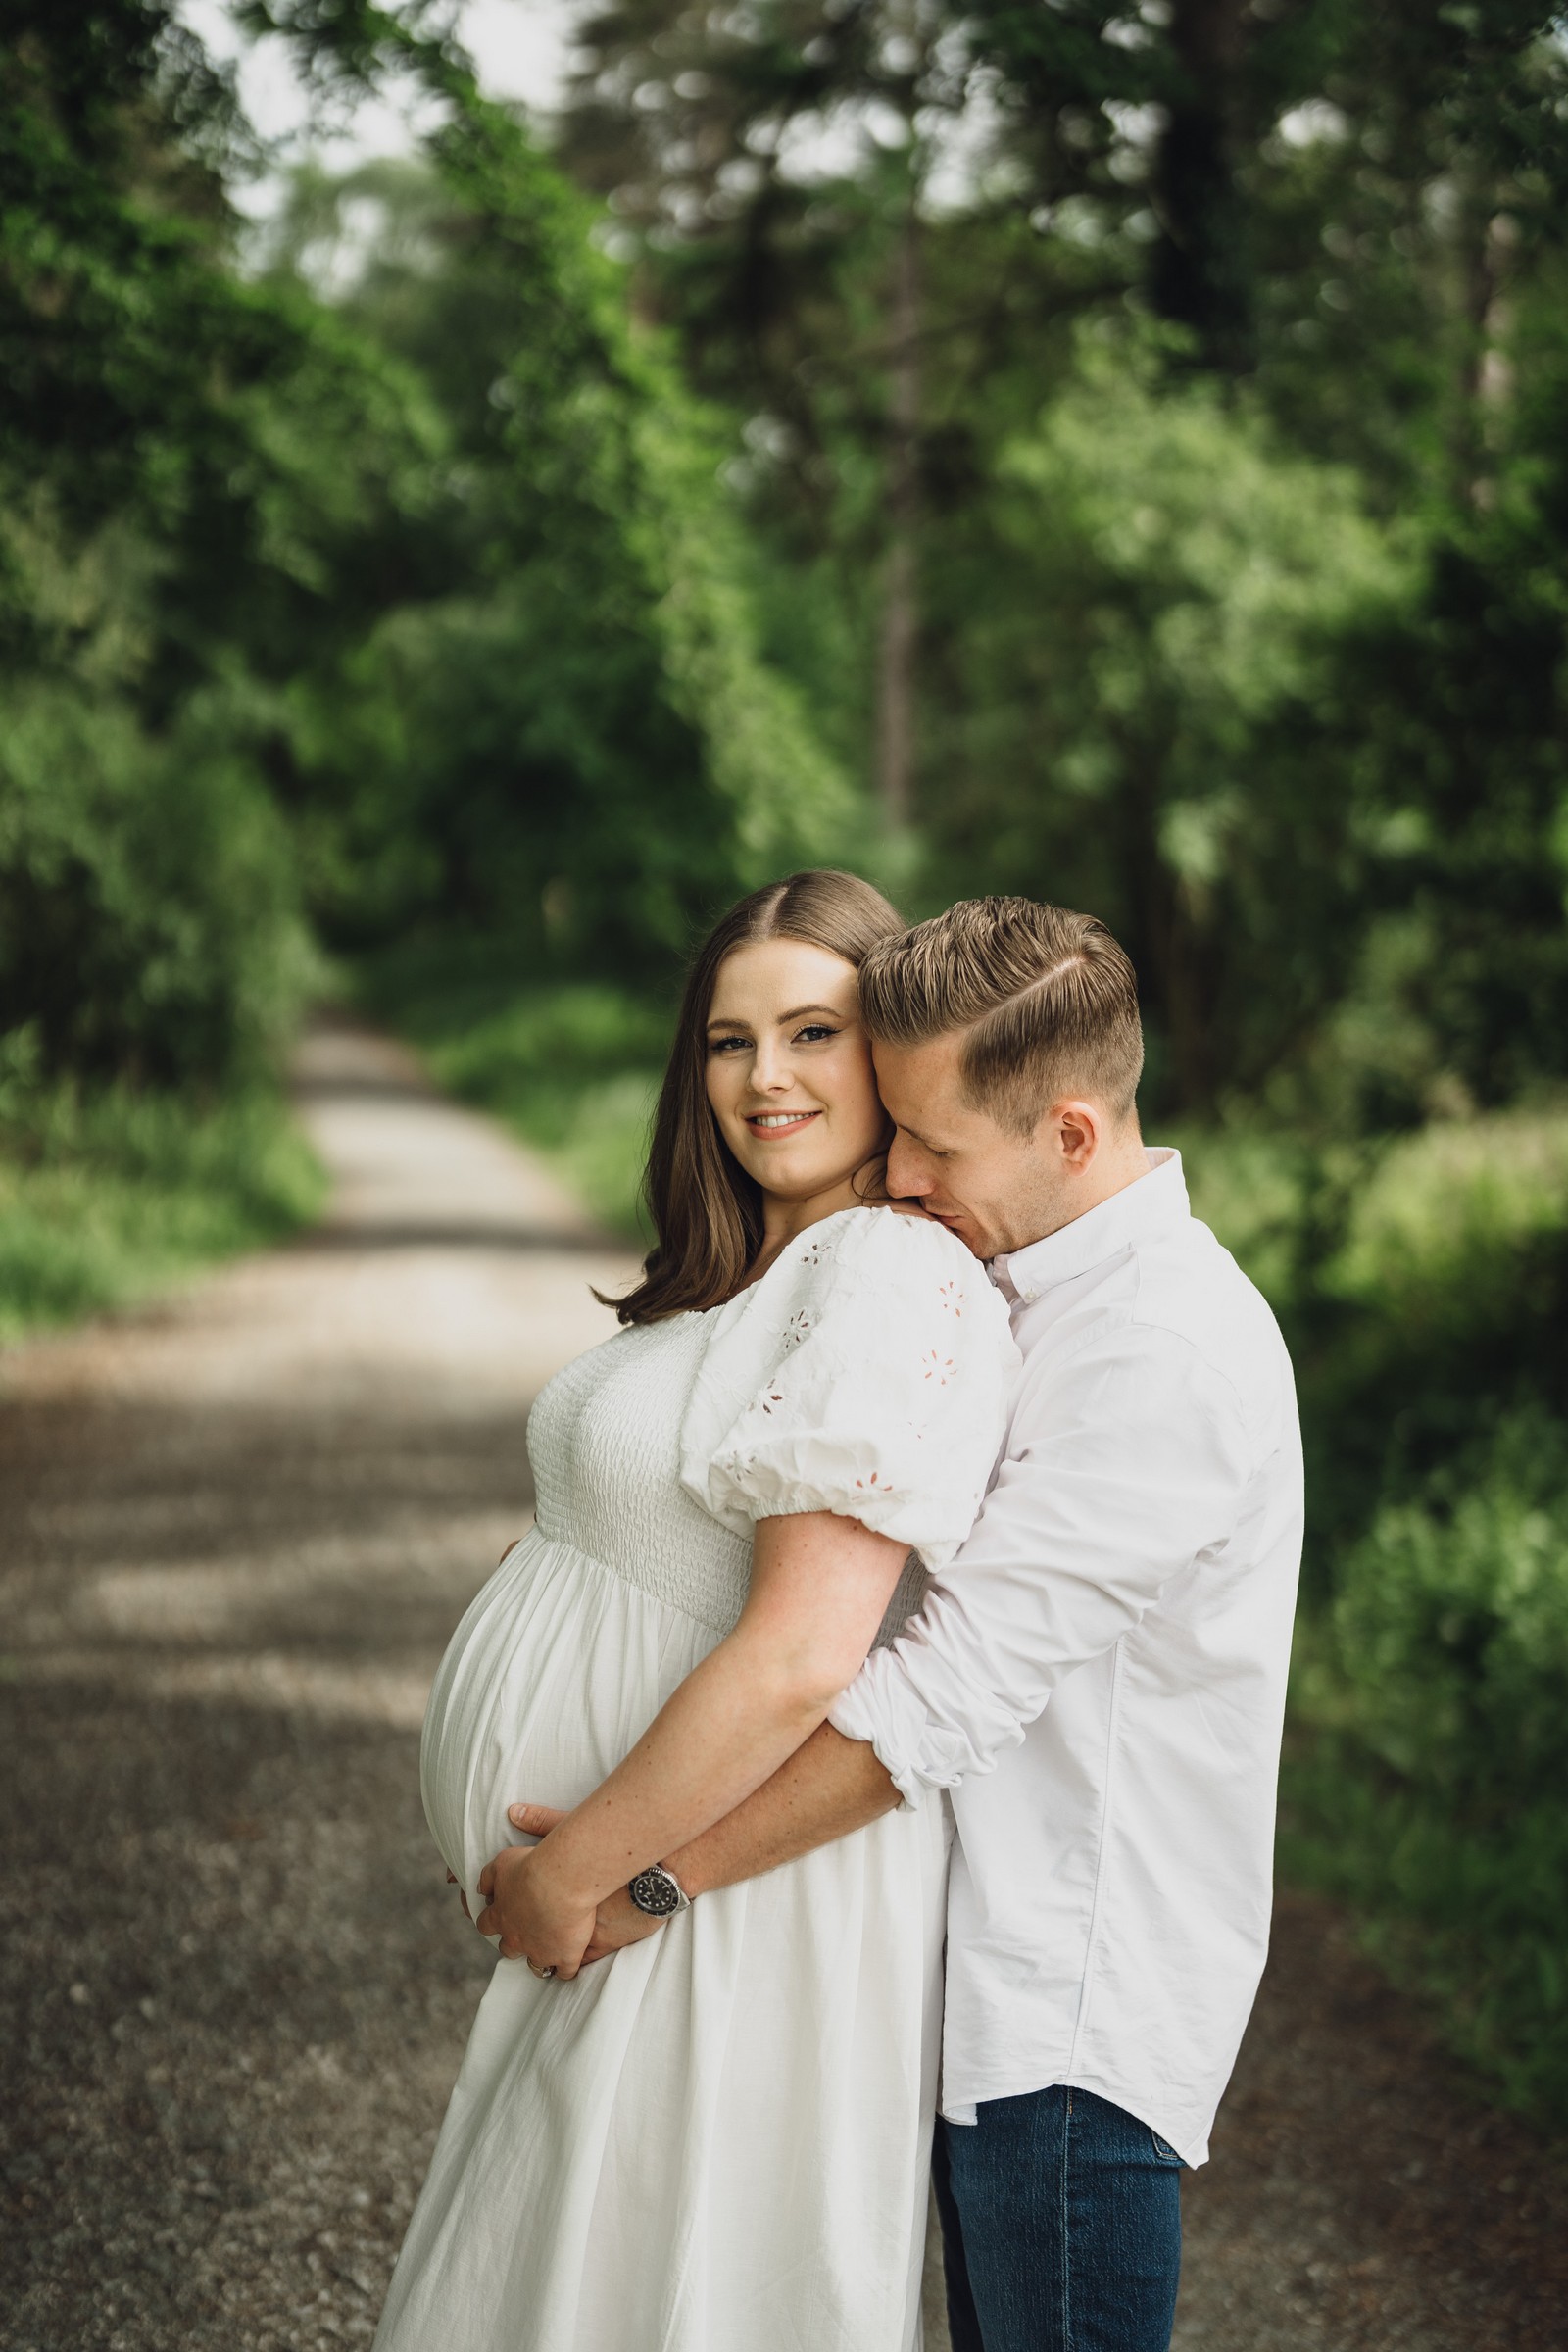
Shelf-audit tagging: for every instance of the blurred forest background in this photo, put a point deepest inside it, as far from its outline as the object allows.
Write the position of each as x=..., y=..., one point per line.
x=1112, y=452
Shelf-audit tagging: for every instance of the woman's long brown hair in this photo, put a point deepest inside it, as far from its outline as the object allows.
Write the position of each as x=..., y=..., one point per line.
x=706, y=1210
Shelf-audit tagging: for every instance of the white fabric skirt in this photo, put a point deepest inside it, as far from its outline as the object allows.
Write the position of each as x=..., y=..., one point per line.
x=718, y=2140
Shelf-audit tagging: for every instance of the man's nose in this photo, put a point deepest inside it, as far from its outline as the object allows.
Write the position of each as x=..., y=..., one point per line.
x=908, y=1179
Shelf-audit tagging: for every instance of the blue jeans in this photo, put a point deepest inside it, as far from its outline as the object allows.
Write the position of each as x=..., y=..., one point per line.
x=1062, y=2227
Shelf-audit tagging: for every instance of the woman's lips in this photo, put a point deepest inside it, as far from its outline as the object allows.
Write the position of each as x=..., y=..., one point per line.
x=770, y=1124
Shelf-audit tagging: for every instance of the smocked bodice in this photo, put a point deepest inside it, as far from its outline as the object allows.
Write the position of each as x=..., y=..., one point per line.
x=605, y=1440
x=865, y=1373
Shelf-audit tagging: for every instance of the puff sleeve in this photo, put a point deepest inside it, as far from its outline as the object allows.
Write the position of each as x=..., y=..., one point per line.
x=867, y=1373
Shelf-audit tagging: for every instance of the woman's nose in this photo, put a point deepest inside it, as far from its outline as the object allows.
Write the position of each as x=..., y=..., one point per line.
x=770, y=1069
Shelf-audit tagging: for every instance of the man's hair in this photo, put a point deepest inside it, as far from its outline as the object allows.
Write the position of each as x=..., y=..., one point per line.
x=1046, y=1000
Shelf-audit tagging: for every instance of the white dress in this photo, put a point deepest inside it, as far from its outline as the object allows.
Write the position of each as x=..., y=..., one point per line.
x=718, y=2140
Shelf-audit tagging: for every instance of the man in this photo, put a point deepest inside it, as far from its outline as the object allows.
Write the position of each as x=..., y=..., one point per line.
x=1099, y=1679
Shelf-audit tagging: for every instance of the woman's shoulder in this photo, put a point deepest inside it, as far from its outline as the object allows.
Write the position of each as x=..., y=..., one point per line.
x=888, y=1241
x=866, y=1373
x=911, y=1264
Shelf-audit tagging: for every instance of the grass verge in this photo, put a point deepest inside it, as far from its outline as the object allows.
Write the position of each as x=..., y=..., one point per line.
x=1423, y=1284
x=108, y=1197
x=1468, y=1917
x=572, y=1067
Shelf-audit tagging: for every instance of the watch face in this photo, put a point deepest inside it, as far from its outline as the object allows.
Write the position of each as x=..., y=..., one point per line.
x=656, y=1891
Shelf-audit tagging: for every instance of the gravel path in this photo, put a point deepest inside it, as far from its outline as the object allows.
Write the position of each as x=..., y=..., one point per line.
x=236, y=1531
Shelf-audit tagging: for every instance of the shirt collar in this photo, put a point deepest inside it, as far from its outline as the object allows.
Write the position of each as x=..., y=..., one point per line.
x=1144, y=1210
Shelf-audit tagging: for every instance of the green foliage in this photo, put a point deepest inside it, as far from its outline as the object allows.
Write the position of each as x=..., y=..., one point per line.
x=1148, y=717
x=1254, y=1184
x=191, y=470
x=149, y=921
x=241, y=451
x=1432, y=1793
x=1451, y=1628
x=1421, y=1281
x=1184, y=390
x=107, y=1194
x=1440, y=1308
x=419, y=612
x=1424, y=1288
x=573, y=1067
x=1447, y=1219
x=420, y=609
x=1301, y=742
x=574, y=729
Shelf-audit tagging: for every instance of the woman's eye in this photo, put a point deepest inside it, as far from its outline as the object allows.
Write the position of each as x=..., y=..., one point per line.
x=727, y=1044
x=813, y=1033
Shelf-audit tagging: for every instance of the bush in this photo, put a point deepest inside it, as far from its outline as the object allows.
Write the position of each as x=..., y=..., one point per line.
x=1452, y=1628
x=573, y=1067
x=106, y=1195
x=576, y=1070
x=1422, y=1283
x=1447, y=1217
x=1425, y=1783
x=148, y=920
x=1250, y=1184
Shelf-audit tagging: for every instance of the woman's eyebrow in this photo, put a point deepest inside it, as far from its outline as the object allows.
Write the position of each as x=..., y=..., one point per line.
x=835, y=1013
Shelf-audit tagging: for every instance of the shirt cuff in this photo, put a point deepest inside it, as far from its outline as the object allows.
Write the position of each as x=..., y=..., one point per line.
x=880, y=1708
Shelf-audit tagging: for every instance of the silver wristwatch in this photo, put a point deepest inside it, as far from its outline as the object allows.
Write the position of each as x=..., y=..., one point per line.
x=658, y=1892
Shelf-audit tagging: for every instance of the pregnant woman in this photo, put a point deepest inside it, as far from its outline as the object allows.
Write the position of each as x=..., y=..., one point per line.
x=718, y=2140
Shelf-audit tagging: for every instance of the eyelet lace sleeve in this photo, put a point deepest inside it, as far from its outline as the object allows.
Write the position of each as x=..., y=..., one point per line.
x=867, y=1373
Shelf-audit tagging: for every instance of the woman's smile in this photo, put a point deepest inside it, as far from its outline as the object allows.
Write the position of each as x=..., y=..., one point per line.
x=779, y=1122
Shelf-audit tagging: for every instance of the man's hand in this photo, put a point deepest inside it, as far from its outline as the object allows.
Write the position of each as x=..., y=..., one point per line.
x=829, y=1789
x=618, y=1921
x=536, y=1919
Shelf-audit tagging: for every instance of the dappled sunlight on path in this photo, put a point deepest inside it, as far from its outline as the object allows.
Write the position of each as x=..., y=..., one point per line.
x=236, y=1529
x=1363, y=2196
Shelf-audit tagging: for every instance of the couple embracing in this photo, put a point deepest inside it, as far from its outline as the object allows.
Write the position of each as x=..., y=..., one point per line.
x=896, y=1673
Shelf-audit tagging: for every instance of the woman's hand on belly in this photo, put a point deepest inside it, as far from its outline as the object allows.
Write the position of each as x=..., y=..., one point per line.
x=535, y=1920
x=617, y=1921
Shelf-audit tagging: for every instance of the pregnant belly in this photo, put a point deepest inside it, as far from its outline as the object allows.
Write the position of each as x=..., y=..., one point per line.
x=555, y=1671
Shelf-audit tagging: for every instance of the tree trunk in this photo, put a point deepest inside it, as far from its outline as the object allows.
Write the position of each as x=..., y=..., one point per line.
x=1200, y=275
x=901, y=614
x=1485, y=379
x=1168, y=942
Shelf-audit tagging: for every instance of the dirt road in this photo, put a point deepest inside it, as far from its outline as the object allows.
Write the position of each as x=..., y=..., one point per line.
x=235, y=1532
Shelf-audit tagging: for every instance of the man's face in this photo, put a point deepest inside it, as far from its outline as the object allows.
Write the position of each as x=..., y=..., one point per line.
x=996, y=1190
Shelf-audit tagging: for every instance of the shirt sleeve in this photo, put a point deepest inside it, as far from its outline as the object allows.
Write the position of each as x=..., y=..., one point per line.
x=1126, y=1463
x=868, y=1374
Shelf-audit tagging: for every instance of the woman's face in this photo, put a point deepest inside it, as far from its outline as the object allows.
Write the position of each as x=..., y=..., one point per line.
x=789, y=1069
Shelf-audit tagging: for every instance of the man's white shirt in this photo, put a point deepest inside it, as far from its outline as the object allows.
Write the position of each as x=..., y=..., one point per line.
x=1120, y=1616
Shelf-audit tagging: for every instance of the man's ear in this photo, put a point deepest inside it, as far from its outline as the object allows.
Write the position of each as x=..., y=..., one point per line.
x=1080, y=1127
